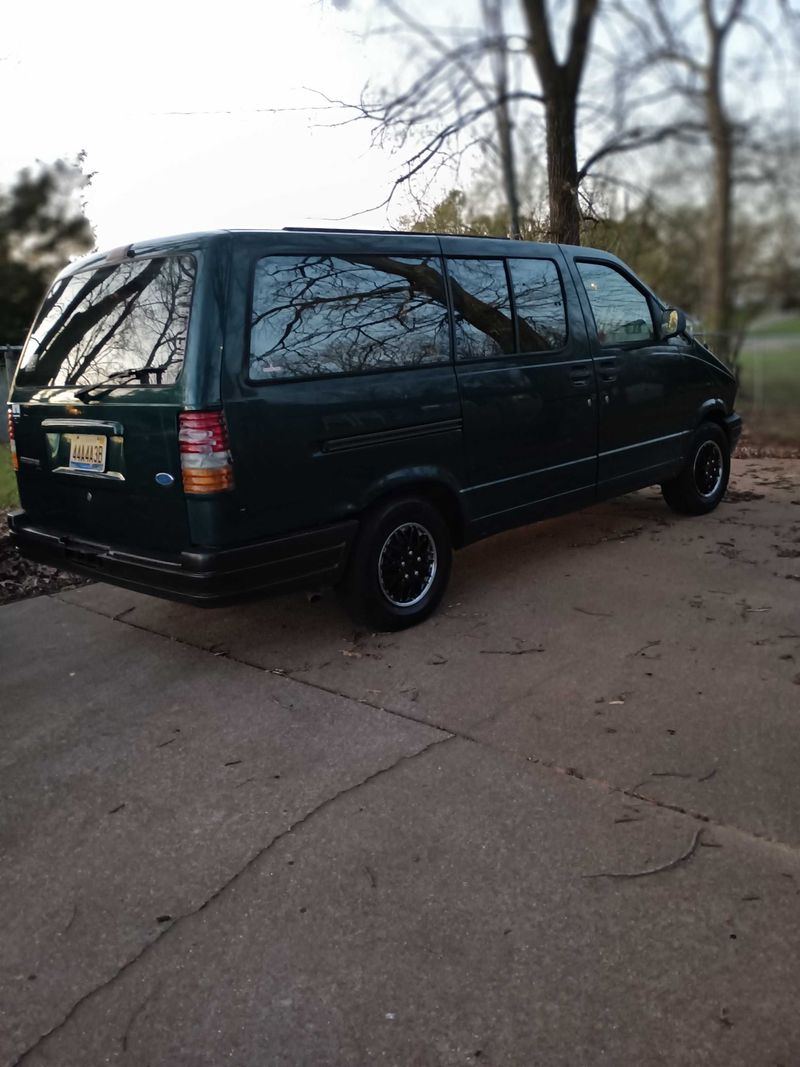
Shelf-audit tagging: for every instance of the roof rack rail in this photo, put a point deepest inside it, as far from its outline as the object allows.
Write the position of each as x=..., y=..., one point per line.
x=393, y=233
x=337, y=229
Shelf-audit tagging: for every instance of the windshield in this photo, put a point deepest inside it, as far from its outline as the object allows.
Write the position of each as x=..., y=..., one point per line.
x=126, y=320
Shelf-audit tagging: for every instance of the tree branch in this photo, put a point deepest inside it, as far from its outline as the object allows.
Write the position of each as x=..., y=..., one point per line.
x=630, y=140
x=579, y=41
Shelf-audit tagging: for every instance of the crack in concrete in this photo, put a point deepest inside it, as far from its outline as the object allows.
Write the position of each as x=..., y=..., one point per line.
x=218, y=892
x=450, y=735
x=631, y=793
x=124, y=1041
x=544, y=763
x=275, y=673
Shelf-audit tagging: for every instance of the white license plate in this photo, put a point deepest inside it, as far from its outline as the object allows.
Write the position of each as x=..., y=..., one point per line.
x=87, y=452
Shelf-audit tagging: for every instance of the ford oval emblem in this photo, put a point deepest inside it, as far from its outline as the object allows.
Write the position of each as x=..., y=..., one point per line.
x=162, y=478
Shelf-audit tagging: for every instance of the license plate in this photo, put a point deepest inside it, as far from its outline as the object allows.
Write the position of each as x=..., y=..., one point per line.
x=87, y=452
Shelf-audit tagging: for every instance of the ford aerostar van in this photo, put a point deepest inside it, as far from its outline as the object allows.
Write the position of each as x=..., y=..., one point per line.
x=220, y=414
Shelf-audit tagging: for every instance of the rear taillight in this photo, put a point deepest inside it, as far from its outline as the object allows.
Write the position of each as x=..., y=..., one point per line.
x=205, y=452
x=12, y=444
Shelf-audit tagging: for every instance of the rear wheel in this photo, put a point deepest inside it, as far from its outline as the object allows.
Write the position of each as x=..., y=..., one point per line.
x=702, y=483
x=400, y=565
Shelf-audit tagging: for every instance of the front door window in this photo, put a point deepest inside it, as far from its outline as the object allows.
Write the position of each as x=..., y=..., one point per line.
x=621, y=311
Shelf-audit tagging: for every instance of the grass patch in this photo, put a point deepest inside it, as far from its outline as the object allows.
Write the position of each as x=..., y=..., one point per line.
x=8, y=481
x=779, y=327
x=780, y=366
x=769, y=392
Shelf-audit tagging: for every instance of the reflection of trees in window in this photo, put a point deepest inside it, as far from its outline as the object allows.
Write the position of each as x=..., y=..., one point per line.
x=539, y=304
x=621, y=312
x=481, y=308
x=315, y=315
x=130, y=317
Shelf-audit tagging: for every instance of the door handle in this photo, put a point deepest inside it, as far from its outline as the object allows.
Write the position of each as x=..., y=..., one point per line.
x=608, y=367
x=580, y=374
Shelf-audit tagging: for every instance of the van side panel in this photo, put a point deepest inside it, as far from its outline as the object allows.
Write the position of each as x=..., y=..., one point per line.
x=530, y=420
x=429, y=380
x=321, y=449
x=650, y=390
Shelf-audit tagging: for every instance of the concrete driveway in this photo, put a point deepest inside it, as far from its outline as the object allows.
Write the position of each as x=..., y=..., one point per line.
x=558, y=824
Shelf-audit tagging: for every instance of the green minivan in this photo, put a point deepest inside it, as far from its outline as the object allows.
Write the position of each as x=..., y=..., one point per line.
x=215, y=415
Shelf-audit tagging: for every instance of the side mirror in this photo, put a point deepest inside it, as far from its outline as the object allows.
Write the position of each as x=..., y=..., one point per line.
x=673, y=322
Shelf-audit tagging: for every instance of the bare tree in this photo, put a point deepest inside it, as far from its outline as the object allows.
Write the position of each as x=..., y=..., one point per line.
x=721, y=133
x=459, y=81
x=493, y=20
x=687, y=49
x=657, y=78
x=470, y=80
x=701, y=81
x=560, y=82
x=459, y=98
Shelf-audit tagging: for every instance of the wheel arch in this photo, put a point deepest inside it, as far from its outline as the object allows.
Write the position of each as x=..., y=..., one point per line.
x=712, y=410
x=716, y=412
x=433, y=485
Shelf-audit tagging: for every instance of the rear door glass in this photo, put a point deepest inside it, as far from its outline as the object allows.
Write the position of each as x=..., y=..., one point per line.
x=484, y=327
x=539, y=301
x=125, y=323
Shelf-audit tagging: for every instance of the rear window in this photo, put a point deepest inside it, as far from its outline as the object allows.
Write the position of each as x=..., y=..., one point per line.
x=126, y=322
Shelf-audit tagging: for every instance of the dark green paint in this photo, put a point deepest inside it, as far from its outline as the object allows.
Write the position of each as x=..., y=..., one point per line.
x=500, y=442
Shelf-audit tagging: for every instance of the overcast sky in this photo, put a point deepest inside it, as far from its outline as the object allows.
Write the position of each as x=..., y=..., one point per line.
x=118, y=81
x=105, y=77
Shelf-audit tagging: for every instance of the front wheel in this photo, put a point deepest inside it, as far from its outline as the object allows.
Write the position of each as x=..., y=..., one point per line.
x=702, y=483
x=400, y=565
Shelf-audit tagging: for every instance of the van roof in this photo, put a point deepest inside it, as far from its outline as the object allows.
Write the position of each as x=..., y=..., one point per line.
x=197, y=239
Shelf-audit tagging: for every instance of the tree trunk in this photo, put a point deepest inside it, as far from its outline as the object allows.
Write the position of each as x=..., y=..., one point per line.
x=562, y=169
x=504, y=132
x=560, y=82
x=493, y=20
x=720, y=304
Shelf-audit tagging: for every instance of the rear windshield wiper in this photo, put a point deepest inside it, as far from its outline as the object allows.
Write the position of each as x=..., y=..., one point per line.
x=116, y=377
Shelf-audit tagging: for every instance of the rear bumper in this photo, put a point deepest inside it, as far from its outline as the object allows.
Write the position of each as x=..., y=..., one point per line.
x=203, y=576
x=733, y=427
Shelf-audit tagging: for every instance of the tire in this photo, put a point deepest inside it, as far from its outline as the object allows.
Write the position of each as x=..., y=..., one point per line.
x=382, y=588
x=702, y=483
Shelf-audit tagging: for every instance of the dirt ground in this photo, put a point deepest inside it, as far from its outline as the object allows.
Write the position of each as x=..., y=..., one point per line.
x=20, y=577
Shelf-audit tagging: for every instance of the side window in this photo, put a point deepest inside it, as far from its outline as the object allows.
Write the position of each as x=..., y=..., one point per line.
x=481, y=308
x=539, y=301
x=319, y=315
x=621, y=311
